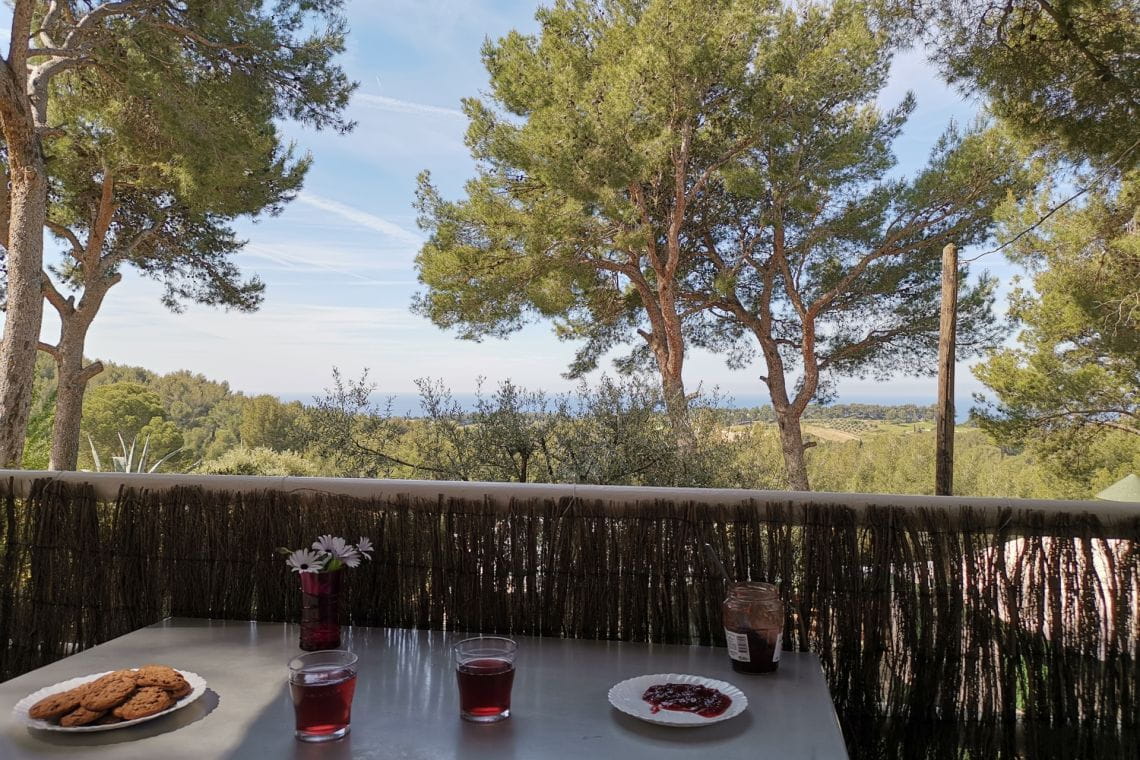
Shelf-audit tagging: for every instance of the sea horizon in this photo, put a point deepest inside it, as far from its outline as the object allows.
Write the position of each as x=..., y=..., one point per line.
x=407, y=404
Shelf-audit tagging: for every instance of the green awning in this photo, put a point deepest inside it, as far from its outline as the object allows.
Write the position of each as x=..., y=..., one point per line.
x=1125, y=489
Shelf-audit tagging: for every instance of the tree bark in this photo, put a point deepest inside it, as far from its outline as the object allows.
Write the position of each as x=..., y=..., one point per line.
x=792, y=446
x=665, y=338
x=73, y=379
x=75, y=322
x=68, y=406
x=24, y=241
x=788, y=416
x=671, y=364
x=25, y=246
x=788, y=410
x=676, y=404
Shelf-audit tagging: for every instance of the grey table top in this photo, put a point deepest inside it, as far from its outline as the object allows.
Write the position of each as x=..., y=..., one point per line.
x=406, y=704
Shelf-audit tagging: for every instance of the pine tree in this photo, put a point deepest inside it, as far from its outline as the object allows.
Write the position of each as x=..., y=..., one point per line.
x=133, y=47
x=127, y=192
x=709, y=173
x=1075, y=375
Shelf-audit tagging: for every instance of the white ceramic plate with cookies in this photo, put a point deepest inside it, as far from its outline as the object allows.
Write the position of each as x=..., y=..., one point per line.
x=197, y=686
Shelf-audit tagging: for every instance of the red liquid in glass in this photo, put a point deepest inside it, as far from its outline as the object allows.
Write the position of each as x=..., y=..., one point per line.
x=485, y=686
x=321, y=706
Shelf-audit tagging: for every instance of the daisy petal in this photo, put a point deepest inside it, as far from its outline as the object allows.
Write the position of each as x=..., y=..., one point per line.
x=305, y=561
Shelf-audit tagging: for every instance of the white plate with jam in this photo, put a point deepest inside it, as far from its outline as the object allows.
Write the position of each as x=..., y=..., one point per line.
x=676, y=699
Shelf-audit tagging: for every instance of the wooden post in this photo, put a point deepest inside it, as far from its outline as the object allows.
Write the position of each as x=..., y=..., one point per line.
x=944, y=414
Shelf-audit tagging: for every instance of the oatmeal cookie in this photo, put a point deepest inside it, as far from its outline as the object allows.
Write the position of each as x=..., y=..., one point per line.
x=181, y=691
x=55, y=705
x=162, y=676
x=81, y=716
x=146, y=701
x=108, y=691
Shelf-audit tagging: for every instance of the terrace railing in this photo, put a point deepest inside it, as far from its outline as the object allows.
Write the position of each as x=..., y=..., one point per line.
x=947, y=626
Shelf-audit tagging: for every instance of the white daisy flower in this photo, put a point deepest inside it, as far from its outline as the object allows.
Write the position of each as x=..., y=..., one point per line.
x=351, y=559
x=364, y=546
x=334, y=545
x=305, y=561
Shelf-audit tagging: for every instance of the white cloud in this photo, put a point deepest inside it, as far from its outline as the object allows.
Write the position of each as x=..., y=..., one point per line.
x=360, y=218
x=406, y=106
x=316, y=257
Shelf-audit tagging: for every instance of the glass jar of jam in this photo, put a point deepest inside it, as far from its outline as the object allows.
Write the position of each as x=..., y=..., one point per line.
x=754, y=627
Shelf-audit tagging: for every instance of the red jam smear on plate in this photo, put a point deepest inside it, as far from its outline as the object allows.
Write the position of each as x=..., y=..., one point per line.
x=687, y=697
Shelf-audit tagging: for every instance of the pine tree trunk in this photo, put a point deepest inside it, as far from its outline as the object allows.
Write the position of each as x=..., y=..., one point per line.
x=24, y=314
x=670, y=354
x=788, y=416
x=677, y=407
x=73, y=379
x=671, y=363
x=792, y=444
x=24, y=241
x=68, y=412
x=75, y=322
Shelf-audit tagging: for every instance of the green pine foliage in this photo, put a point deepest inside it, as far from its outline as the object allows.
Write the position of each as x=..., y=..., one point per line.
x=1064, y=76
x=1063, y=72
x=1071, y=385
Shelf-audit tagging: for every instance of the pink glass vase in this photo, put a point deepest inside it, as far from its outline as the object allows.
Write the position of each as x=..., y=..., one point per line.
x=320, y=610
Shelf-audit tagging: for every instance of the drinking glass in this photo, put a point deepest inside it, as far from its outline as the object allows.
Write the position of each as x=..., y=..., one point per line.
x=322, y=685
x=485, y=670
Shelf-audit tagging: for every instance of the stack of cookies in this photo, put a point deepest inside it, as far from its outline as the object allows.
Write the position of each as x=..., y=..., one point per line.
x=116, y=697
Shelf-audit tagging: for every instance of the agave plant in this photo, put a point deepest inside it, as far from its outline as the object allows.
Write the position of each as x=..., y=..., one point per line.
x=127, y=462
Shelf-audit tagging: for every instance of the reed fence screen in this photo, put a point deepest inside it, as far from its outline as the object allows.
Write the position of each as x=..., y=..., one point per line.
x=942, y=632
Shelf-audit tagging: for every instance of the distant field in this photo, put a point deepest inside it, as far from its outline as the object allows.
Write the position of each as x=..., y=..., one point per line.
x=830, y=434
x=844, y=430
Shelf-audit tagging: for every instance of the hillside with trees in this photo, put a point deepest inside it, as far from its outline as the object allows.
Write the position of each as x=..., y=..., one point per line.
x=614, y=432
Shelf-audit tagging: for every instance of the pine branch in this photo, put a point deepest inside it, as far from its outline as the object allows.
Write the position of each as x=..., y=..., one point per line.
x=77, y=247
x=123, y=252
x=90, y=371
x=49, y=349
x=65, y=306
x=49, y=21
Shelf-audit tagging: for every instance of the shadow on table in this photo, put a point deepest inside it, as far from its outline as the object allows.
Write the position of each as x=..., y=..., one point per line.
x=487, y=739
x=692, y=735
x=192, y=713
x=270, y=734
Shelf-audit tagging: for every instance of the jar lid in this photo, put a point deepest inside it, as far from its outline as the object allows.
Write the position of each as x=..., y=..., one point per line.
x=754, y=591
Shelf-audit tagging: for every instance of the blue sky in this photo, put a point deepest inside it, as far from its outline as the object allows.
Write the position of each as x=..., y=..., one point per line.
x=338, y=262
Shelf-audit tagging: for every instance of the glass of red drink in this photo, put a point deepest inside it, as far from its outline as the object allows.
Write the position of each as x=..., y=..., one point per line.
x=485, y=670
x=322, y=685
